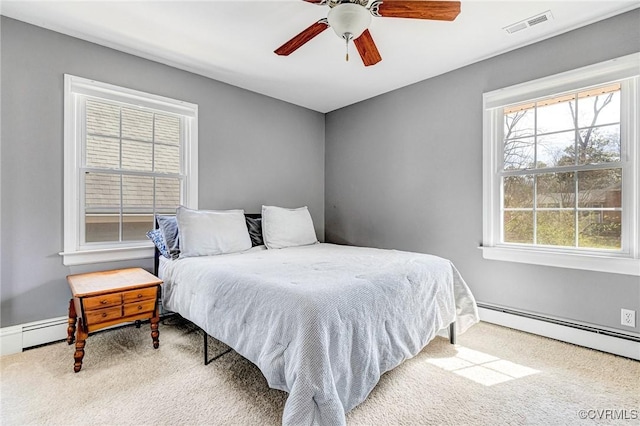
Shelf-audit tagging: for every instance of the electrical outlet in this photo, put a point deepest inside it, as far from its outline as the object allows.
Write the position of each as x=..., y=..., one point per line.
x=628, y=317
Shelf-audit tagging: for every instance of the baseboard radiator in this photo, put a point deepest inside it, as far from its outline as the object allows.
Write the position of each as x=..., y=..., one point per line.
x=602, y=339
x=16, y=338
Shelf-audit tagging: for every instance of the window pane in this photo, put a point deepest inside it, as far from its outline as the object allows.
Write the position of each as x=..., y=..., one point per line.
x=518, y=191
x=136, y=155
x=518, y=227
x=102, y=119
x=555, y=228
x=137, y=194
x=103, y=152
x=600, y=188
x=137, y=199
x=102, y=227
x=102, y=207
x=102, y=192
x=556, y=150
x=167, y=195
x=600, y=229
x=518, y=153
x=599, y=145
x=555, y=115
x=555, y=190
x=519, y=124
x=597, y=110
x=137, y=124
x=167, y=129
x=136, y=226
x=167, y=159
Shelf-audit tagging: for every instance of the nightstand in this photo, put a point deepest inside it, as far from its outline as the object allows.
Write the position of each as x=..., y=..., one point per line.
x=107, y=298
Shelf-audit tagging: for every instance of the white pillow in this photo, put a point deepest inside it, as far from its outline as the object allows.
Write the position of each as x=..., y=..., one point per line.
x=287, y=227
x=211, y=232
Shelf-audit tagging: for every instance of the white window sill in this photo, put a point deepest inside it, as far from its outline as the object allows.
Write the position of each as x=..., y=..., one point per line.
x=106, y=255
x=588, y=262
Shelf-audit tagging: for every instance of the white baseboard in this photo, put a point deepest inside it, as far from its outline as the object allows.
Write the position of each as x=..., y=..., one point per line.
x=18, y=337
x=589, y=339
x=10, y=340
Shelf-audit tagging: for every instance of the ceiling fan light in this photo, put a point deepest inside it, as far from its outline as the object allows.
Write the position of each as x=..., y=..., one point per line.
x=349, y=18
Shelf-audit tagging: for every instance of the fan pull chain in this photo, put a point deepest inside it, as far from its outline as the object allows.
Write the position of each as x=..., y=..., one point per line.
x=347, y=37
x=347, y=49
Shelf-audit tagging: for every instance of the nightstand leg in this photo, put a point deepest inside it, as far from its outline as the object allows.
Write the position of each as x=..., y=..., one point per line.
x=154, y=331
x=71, y=329
x=81, y=337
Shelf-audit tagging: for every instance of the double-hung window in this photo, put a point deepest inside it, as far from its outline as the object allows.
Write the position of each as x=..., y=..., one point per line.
x=129, y=155
x=561, y=168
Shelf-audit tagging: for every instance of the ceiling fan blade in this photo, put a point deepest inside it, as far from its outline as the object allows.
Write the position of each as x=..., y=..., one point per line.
x=417, y=9
x=302, y=38
x=367, y=49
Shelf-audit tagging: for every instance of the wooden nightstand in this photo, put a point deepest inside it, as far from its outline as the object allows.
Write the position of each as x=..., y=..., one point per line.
x=103, y=299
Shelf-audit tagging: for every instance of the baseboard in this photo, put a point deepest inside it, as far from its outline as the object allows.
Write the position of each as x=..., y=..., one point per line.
x=15, y=339
x=19, y=337
x=593, y=339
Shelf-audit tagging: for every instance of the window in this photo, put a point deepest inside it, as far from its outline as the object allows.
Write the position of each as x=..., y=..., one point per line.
x=128, y=156
x=561, y=167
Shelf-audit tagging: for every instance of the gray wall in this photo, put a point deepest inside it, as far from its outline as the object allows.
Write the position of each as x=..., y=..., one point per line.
x=404, y=170
x=252, y=150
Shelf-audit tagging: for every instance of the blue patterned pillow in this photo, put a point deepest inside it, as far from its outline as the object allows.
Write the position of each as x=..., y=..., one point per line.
x=155, y=235
x=168, y=225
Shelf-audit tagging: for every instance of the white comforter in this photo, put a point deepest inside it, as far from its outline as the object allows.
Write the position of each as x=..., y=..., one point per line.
x=322, y=322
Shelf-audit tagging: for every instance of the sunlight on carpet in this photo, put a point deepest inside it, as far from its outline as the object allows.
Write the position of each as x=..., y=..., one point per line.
x=482, y=368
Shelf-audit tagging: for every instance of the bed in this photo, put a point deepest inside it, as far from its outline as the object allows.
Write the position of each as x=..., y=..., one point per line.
x=321, y=321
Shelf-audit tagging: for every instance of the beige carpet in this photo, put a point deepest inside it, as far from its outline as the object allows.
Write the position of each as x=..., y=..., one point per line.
x=493, y=376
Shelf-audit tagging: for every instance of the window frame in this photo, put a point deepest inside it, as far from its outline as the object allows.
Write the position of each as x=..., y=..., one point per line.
x=627, y=260
x=76, y=90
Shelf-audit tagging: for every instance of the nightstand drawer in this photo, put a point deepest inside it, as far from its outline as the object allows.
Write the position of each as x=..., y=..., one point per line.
x=104, y=301
x=139, y=308
x=103, y=315
x=142, y=294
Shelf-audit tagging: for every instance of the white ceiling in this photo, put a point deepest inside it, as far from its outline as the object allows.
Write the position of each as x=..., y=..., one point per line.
x=233, y=41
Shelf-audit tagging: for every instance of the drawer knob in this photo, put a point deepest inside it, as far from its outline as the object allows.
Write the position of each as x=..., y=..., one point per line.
x=139, y=307
x=139, y=295
x=104, y=302
x=104, y=314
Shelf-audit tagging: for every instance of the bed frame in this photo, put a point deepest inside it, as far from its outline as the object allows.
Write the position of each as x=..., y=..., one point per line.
x=207, y=361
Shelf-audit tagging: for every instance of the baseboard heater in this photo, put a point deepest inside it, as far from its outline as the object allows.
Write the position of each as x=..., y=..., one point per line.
x=564, y=323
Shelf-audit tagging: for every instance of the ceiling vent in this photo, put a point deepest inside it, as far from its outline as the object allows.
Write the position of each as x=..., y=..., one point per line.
x=529, y=22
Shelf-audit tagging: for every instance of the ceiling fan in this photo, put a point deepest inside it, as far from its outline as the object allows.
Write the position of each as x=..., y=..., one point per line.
x=350, y=19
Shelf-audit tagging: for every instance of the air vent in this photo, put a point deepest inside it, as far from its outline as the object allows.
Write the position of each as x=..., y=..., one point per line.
x=529, y=22
x=537, y=20
x=516, y=27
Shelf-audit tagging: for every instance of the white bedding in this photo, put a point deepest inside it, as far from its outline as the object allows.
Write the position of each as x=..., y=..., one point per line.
x=322, y=322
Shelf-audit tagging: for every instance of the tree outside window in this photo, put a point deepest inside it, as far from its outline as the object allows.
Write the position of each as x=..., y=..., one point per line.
x=562, y=176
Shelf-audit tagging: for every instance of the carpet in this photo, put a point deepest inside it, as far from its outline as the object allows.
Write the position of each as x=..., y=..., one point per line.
x=494, y=375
